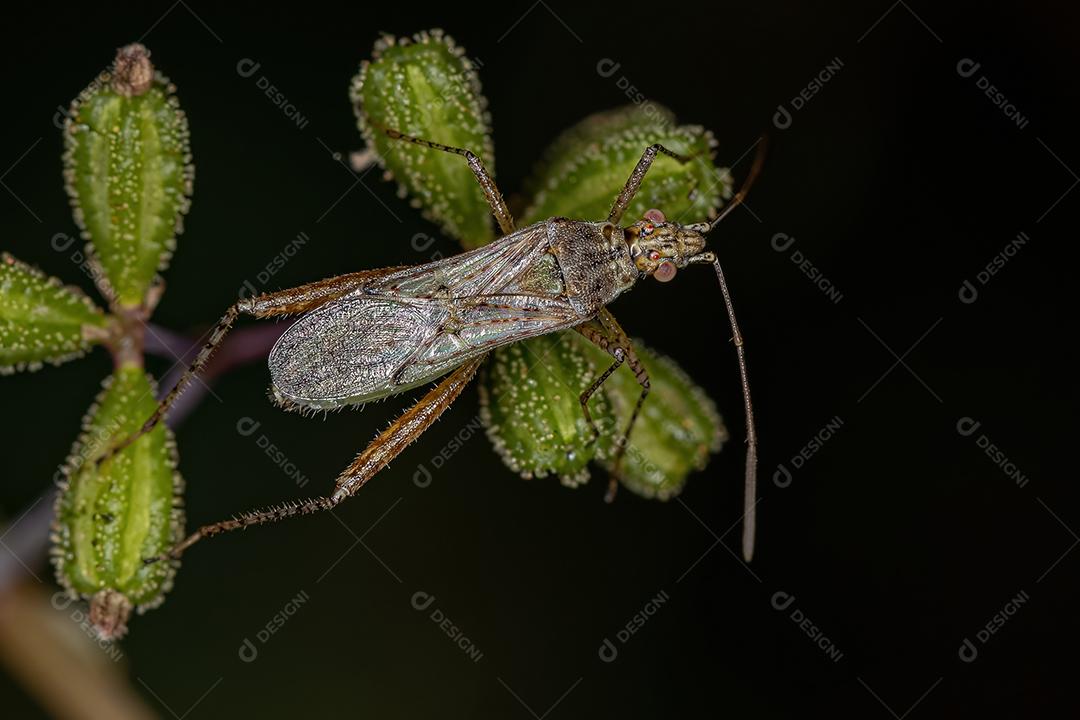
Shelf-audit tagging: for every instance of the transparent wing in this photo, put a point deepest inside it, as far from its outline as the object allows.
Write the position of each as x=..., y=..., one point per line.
x=344, y=351
x=413, y=325
x=486, y=270
x=363, y=348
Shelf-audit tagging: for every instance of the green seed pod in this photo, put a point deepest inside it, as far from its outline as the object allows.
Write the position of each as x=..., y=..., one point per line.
x=42, y=320
x=426, y=87
x=529, y=403
x=109, y=519
x=128, y=172
x=676, y=431
x=584, y=170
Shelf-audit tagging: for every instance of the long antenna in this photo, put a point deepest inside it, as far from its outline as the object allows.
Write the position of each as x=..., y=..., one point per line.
x=750, y=482
x=750, y=486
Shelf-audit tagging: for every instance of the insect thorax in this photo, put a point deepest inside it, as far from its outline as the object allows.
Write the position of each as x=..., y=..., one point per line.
x=596, y=266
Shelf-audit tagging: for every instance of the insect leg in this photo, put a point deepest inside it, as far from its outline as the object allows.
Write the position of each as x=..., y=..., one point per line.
x=606, y=333
x=295, y=300
x=633, y=183
x=378, y=454
x=491, y=191
x=410, y=425
x=588, y=393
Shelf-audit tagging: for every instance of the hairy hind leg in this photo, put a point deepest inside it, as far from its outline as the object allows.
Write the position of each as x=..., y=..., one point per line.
x=491, y=191
x=606, y=333
x=385, y=447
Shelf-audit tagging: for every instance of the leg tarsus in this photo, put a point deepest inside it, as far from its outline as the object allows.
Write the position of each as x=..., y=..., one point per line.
x=491, y=191
x=612, y=488
x=247, y=519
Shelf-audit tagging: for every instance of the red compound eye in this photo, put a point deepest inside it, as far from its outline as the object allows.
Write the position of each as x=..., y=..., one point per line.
x=655, y=215
x=665, y=272
x=654, y=255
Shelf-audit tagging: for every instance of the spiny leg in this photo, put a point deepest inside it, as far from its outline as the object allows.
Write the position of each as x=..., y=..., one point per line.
x=295, y=300
x=491, y=191
x=385, y=447
x=606, y=333
x=633, y=183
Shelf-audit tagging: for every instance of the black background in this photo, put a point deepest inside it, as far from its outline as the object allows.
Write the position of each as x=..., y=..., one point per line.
x=899, y=539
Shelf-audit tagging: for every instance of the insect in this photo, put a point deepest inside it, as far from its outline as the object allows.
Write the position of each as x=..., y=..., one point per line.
x=374, y=333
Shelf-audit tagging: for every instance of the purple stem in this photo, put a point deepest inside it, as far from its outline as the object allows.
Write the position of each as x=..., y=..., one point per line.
x=25, y=542
x=241, y=346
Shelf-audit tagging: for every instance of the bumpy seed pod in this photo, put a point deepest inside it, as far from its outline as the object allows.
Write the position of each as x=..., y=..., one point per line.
x=529, y=403
x=426, y=87
x=584, y=169
x=675, y=433
x=111, y=518
x=42, y=320
x=128, y=172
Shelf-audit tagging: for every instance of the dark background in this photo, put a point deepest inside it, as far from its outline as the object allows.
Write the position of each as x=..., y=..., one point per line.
x=898, y=540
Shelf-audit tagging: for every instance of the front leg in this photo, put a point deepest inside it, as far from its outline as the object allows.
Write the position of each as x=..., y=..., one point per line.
x=633, y=183
x=494, y=198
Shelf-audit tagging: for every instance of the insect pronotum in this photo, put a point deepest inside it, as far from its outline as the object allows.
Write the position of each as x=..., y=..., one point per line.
x=374, y=333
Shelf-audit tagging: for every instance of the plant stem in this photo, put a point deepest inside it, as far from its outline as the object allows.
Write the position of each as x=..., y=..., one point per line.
x=27, y=538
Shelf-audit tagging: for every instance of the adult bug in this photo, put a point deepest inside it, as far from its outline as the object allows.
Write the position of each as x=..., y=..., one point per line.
x=375, y=333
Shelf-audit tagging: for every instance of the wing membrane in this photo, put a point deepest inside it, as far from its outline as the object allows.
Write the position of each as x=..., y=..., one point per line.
x=413, y=325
